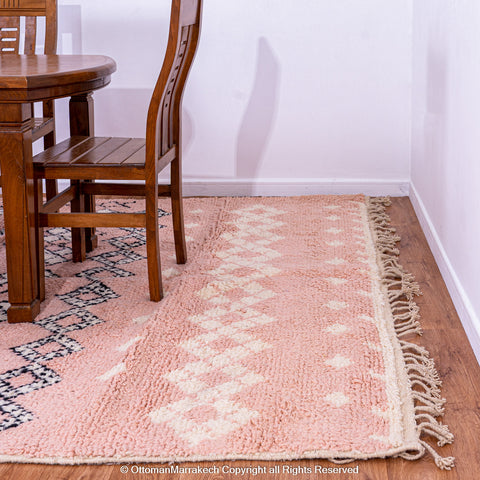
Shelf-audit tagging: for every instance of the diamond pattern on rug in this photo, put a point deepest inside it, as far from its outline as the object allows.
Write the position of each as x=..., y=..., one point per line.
x=207, y=411
x=3, y=292
x=76, y=317
x=260, y=350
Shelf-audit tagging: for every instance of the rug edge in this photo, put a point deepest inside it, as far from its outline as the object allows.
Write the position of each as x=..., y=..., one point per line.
x=420, y=368
x=414, y=357
x=260, y=457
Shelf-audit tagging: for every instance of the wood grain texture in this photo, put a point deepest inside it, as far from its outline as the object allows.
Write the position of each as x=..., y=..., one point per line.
x=23, y=7
x=84, y=158
x=24, y=73
x=19, y=214
x=443, y=336
x=82, y=123
x=10, y=33
x=20, y=191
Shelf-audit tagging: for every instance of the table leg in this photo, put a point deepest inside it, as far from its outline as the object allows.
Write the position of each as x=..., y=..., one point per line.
x=19, y=212
x=82, y=123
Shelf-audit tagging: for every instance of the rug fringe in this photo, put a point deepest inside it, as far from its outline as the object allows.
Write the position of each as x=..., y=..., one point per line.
x=424, y=379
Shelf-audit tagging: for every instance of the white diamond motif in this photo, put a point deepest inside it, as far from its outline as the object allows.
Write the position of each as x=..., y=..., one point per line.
x=336, y=261
x=335, y=243
x=337, y=281
x=338, y=361
x=247, y=247
x=337, y=329
x=112, y=372
x=337, y=399
x=334, y=305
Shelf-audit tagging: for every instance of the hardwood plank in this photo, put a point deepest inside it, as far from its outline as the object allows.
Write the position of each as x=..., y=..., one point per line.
x=97, y=154
x=58, y=149
x=137, y=158
x=131, y=147
x=77, y=152
x=447, y=343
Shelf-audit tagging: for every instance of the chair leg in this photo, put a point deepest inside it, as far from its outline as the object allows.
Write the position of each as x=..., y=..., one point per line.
x=78, y=234
x=82, y=123
x=91, y=239
x=153, y=245
x=39, y=241
x=177, y=210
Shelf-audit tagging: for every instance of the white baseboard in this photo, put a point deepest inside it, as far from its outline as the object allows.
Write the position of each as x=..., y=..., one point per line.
x=193, y=187
x=465, y=310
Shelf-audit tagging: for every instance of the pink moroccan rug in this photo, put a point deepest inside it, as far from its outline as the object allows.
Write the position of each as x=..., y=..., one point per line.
x=281, y=338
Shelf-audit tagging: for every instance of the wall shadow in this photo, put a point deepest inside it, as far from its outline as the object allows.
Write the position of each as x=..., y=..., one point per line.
x=188, y=130
x=436, y=131
x=70, y=29
x=259, y=116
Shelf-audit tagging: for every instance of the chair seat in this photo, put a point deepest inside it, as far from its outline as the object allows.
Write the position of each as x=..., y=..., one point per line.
x=90, y=158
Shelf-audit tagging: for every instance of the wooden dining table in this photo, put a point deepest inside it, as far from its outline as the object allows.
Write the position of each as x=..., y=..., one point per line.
x=25, y=79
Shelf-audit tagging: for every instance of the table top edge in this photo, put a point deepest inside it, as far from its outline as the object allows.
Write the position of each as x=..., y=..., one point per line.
x=74, y=68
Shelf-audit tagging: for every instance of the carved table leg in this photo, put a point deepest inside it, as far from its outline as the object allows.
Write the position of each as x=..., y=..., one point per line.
x=19, y=212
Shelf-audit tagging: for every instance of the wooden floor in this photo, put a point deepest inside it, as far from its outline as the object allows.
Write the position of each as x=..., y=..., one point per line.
x=445, y=339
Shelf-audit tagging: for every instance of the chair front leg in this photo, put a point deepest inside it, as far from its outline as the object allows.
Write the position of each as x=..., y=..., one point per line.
x=91, y=238
x=177, y=208
x=153, y=244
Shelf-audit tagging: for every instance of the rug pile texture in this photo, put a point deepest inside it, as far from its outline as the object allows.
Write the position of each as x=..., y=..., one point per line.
x=283, y=337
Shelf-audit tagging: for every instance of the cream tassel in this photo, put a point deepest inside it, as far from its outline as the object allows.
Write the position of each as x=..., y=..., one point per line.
x=424, y=380
x=445, y=463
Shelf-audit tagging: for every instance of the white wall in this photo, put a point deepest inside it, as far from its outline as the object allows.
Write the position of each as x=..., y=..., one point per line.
x=446, y=145
x=315, y=96
x=310, y=93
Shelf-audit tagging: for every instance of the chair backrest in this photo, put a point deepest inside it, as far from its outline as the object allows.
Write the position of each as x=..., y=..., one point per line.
x=11, y=12
x=164, y=113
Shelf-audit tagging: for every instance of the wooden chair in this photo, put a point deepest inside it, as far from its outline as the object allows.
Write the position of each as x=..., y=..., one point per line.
x=10, y=43
x=83, y=159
